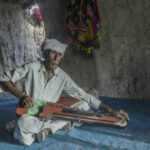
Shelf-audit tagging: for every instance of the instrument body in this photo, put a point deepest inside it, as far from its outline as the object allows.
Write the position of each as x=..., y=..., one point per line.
x=62, y=110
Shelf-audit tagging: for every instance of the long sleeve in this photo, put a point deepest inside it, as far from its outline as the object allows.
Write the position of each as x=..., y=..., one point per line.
x=75, y=91
x=13, y=76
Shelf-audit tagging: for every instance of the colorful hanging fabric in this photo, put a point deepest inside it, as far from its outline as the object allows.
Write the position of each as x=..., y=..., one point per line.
x=82, y=23
x=37, y=15
x=34, y=12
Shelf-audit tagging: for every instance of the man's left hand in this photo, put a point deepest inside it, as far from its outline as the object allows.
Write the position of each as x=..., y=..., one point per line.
x=120, y=113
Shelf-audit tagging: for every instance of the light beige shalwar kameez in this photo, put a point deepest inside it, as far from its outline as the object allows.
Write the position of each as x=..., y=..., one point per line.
x=36, y=85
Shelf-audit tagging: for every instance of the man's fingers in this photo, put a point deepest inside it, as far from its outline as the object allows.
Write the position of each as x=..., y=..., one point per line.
x=120, y=114
x=28, y=102
x=124, y=114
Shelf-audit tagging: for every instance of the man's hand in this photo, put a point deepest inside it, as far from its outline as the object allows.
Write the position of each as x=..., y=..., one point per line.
x=119, y=113
x=27, y=101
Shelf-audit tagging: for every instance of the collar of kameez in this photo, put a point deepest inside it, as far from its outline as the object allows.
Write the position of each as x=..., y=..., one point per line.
x=42, y=69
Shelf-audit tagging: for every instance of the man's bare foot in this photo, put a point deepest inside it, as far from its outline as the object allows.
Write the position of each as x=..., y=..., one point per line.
x=68, y=126
x=41, y=136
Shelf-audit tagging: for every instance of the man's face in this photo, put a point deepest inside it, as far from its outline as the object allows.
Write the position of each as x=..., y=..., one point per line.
x=52, y=59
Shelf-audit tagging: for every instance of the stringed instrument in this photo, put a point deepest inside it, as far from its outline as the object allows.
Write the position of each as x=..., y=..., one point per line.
x=62, y=110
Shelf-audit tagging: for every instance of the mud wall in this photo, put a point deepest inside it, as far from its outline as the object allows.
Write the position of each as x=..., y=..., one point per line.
x=120, y=68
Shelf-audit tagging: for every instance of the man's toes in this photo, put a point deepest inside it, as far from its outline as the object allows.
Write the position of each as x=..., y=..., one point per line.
x=68, y=127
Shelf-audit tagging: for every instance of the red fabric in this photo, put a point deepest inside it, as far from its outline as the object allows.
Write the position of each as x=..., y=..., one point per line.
x=37, y=14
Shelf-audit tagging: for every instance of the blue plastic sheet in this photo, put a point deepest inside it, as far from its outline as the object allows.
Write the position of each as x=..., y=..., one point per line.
x=136, y=136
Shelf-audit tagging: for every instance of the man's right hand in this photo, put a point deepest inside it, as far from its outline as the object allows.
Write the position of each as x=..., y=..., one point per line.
x=26, y=101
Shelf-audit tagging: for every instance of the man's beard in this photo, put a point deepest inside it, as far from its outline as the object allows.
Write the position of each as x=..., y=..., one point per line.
x=49, y=65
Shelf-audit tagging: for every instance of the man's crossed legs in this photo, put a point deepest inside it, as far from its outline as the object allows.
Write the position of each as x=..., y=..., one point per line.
x=28, y=127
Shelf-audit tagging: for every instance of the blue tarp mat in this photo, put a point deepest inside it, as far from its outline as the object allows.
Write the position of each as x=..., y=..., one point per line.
x=136, y=136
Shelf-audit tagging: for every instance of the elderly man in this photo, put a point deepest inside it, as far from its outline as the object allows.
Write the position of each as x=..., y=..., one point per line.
x=45, y=80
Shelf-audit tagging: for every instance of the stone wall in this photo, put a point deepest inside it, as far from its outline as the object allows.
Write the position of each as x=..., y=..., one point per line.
x=81, y=69
x=123, y=59
x=19, y=39
x=120, y=68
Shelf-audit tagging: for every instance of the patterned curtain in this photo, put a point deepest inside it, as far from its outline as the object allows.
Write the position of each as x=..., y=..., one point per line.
x=82, y=24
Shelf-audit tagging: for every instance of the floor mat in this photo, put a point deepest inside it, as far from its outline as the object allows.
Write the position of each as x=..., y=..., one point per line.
x=136, y=136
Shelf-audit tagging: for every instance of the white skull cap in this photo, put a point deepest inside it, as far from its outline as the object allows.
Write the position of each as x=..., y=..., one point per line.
x=53, y=44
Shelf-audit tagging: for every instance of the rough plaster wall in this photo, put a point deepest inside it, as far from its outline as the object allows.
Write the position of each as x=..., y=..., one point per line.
x=53, y=12
x=18, y=38
x=81, y=70
x=123, y=61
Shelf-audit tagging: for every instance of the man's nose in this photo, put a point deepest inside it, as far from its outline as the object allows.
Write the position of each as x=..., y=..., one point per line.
x=55, y=56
